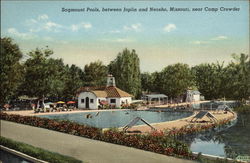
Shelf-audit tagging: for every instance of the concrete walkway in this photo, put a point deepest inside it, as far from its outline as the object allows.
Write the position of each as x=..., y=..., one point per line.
x=87, y=150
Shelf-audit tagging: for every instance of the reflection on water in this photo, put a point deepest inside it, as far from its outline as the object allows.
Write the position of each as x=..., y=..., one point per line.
x=113, y=119
x=208, y=147
x=228, y=141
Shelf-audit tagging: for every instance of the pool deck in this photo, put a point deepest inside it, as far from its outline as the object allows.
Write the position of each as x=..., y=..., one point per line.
x=180, y=123
x=180, y=104
x=31, y=112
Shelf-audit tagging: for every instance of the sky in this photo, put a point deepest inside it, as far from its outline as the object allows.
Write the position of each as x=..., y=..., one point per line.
x=160, y=38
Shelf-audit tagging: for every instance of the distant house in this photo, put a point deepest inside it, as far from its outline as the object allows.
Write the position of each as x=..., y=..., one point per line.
x=94, y=97
x=192, y=96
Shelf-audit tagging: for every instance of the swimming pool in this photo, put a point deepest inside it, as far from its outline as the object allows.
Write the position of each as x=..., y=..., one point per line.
x=115, y=119
x=232, y=141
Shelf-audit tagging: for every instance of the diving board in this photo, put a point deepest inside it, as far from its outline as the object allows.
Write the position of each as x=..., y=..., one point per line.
x=202, y=114
x=134, y=121
x=225, y=108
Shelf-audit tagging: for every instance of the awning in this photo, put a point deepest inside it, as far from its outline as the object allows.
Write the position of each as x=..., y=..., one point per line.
x=103, y=102
x=61, y=102
x=71, y=102
x=156, y=96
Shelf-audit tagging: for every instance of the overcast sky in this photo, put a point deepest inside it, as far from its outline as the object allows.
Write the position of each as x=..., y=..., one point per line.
x=159, y=38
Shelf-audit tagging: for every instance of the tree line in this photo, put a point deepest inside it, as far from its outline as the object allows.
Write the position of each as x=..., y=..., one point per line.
x=42, y=76
x=213, y=80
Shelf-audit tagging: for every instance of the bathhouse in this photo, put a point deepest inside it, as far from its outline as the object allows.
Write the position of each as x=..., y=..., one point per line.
x=96, y=97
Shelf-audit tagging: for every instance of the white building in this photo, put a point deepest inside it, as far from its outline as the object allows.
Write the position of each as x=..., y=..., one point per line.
x=94, y=97
x=192, y=96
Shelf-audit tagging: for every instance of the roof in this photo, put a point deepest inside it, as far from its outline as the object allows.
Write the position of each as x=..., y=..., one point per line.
x=194, y=92
x=156, y=96
x=100, y=93
x=116, y=92
x=110, y=91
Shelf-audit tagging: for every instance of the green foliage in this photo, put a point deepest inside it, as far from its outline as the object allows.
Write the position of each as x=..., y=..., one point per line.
x=245, y=109
x=95, y=74
x=37, y=152
x=209, y=80
x=126, y=70
x=49, y=77
x=73, y=79
x=146, y=81
x=216, y=81
x=44, y=75
x=11, y=69
x=176, y=79
x=173, y=80
x=241, y=81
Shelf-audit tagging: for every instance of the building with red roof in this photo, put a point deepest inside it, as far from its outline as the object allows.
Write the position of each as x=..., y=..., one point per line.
x=95, y=97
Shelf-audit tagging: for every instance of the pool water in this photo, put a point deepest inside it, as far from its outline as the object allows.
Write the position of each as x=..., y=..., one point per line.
x=115, y=119
x=227, y=141
x=232, y=141
x=208, y=147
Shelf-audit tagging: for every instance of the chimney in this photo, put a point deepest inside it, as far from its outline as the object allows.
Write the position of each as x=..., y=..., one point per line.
x=110, y=81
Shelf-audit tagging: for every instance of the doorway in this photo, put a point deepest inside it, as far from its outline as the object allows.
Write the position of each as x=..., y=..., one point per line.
x=87, y=102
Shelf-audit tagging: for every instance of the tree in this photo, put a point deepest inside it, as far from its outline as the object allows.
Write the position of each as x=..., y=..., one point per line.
x=146, y=82
x=216, y=81
x=73, y=81
x=44, y=76
x=175, y=79
x=11, y=69
x=95, y=74
x=239, y=73
x=126, y=70
x=56, y=76
x=209, y=80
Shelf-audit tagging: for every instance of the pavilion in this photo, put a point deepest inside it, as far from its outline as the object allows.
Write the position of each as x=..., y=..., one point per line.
x=160, y=98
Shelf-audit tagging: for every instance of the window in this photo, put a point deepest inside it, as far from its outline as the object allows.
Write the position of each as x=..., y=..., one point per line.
x=112, y=101
x=82, y=100
x=91, y=100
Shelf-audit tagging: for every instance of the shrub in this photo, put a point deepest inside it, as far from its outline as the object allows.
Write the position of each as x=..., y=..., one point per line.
x=245, y=109
x=155, y=142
